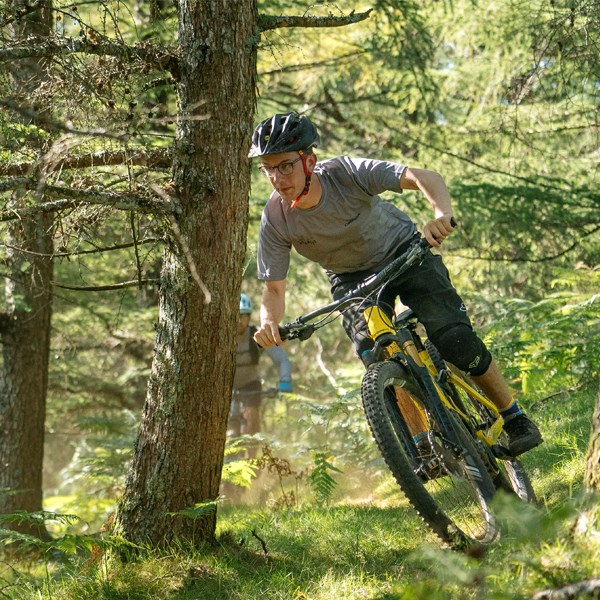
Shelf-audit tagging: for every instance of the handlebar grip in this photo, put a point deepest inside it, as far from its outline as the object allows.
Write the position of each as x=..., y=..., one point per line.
x=284, y=334
x=454, y=226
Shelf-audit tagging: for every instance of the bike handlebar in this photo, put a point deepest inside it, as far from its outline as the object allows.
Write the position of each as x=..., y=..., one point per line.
x=302, y=329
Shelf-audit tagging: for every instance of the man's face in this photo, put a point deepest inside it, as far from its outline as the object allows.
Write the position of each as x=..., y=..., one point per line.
x=243, y=322
x=288, y=186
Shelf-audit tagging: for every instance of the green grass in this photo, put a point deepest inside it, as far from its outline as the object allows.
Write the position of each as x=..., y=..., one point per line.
x=374, y=550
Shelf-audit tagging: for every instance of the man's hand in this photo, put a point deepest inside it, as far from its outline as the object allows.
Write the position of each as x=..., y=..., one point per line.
x=438, y=230
x=268, y=335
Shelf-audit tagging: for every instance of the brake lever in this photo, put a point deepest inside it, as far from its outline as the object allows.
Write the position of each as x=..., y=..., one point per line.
x=292, y=331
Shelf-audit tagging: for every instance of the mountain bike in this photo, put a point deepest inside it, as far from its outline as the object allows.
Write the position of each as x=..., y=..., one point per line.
x=441, y=438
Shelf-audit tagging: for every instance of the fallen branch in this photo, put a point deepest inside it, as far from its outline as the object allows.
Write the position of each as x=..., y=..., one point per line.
x=558, y=393
x=575, y=591
x=262, y=542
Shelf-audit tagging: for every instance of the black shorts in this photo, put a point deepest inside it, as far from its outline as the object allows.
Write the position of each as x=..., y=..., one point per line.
x=425, y=288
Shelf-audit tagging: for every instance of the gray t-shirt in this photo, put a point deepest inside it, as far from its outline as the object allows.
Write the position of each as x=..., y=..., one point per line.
x=351, y=229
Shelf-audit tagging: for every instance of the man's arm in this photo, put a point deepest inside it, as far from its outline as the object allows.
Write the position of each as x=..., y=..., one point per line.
x=272, y=311
x=433, y=187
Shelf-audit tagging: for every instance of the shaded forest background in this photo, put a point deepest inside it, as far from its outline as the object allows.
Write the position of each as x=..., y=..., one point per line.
x=501, y=98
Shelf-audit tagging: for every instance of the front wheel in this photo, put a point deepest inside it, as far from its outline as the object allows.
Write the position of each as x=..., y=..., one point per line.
x=441, y=473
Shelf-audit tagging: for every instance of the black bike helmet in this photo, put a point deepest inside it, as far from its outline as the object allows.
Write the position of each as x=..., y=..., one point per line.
x=283, y=133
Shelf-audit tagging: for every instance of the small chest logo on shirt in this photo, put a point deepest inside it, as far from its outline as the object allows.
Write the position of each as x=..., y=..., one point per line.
x=305, y=242
x=351, y=220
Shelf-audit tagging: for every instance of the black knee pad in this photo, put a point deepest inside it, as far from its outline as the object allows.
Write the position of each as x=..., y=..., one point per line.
x=460, y=345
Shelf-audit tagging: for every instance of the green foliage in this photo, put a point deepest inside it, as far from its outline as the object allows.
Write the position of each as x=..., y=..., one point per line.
x=94, y=475
x=104, y=452
x=67, y=544
x=198, y=511
x=554, y=343
x=321, y=480
x=38, y=517
x=71, y=551
x=300, y=426
x=237, y=471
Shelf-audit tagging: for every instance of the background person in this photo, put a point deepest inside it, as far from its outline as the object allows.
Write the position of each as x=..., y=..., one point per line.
x=331, y=213
x=247, y=383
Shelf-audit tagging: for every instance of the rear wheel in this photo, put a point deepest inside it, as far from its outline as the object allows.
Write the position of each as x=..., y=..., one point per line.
x=511, y=475
x=508, y=474
x=442, y=474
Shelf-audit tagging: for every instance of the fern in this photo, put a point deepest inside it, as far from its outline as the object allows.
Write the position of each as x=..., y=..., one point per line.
x=239, y=472
x=38, y=517
x=321, y=481
x=198, y=511
x=550, y=344
x=67, y=544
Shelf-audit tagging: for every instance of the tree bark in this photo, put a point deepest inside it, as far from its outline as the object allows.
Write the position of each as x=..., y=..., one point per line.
x=24, y=376
x=592, y=471
x=25, y=324
x=179, y=451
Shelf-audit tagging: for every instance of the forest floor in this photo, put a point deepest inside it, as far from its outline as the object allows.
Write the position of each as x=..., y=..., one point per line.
x=374, y=548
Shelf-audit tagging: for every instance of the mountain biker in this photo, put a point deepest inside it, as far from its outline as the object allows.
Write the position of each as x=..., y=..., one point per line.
x=330, y=212
x=247, y=384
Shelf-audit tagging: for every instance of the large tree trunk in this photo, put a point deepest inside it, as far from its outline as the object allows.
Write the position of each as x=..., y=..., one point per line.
x=24, y=376
x=179, y=451
x=25, y=321
x=592, y=471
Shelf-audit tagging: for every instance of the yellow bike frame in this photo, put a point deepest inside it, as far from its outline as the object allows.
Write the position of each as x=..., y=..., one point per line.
x=489, y=437
x=379, y=324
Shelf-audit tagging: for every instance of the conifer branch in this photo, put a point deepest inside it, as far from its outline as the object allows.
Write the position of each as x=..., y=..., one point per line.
x=41, y=119
x=162, y=58
x=97, y=250
x=73, y=197
x=105, y=288
x=21, y=12
x=157, y=159
x=268, y=22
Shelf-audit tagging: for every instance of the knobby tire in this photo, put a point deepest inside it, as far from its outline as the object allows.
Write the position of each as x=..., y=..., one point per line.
x=508, y=475
x=454, y=498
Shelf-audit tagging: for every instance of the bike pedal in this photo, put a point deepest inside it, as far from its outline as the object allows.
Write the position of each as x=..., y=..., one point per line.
x=501, y=452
